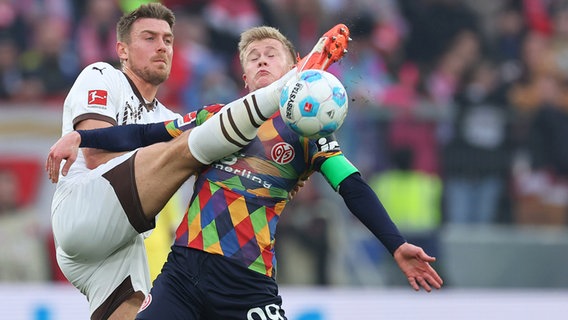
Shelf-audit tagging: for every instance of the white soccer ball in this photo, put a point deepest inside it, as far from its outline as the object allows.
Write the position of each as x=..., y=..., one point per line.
x=314, y=104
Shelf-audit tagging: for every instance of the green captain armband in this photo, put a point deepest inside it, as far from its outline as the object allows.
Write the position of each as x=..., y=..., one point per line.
x=336, y=169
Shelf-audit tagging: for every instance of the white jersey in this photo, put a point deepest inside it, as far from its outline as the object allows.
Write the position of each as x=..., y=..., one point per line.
x=98, y=249
x=103, y=92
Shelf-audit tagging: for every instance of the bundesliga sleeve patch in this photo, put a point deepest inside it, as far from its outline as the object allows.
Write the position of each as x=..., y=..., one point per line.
x=97, y=97
x=326, y=144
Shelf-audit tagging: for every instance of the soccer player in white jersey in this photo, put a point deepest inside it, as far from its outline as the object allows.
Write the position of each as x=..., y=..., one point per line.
x=104, y=202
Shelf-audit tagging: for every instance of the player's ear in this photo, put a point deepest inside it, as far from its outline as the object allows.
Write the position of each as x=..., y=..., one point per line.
x=122, y=51
x=245, y=80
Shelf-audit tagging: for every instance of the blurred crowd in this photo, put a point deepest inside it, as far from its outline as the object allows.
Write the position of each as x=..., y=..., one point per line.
x=458, y=109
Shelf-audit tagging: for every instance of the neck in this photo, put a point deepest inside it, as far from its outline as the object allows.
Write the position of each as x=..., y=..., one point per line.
x=146, y=89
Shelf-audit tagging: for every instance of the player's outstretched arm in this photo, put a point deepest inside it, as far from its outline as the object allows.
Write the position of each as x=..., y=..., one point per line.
x=415, y=264
x=132, y=136
x=366, y=206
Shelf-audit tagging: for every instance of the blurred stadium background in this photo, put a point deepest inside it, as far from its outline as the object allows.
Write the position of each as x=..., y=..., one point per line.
x=458, y=120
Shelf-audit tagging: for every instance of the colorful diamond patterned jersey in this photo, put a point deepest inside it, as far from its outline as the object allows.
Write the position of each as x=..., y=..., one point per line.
x=238, y=200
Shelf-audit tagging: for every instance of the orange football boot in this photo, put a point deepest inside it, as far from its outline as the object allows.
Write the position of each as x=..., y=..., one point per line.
x=330, y=48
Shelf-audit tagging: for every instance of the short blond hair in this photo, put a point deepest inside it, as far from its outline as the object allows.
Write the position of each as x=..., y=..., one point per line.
x=261, y=33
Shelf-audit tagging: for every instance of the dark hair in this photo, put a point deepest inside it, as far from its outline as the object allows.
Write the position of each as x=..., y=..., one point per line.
x=152, y=10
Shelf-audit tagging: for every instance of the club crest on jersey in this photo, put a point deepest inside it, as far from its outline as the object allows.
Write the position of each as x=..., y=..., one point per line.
x=146, y=302
x=282, y=153
x=97, y=97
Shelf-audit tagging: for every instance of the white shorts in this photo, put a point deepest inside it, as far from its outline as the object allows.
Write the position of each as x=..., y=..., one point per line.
x=97, y=224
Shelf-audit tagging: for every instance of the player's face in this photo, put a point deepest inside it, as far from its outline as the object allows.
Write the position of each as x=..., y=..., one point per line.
x=149, y=53
x=265, y=61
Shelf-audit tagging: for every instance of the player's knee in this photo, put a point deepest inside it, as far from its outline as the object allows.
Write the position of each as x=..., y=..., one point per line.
x=77, y=240
x=75, y=245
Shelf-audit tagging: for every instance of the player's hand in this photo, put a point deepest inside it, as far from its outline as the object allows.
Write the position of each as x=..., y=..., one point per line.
x=66, y=148
x=301, y=183
x=415, y=264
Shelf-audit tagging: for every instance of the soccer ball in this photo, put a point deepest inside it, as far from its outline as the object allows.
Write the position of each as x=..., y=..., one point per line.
x=313, y=104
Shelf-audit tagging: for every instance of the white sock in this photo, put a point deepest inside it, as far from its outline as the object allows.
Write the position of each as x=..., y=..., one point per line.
x=236, y=124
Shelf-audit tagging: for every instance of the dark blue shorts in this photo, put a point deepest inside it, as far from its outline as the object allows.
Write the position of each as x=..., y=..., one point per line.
x=197, y=285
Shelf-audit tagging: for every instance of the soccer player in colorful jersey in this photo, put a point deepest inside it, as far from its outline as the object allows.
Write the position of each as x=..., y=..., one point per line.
x=222, y=262
x=105, y=201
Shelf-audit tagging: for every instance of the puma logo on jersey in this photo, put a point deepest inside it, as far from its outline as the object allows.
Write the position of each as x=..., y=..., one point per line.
x=99, y=69
x=97, y=97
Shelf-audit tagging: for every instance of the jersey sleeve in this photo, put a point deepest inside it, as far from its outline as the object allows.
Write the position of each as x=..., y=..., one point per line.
x=207, y=112
x=132, y=136
x=363, y=202
x=177, y=126
x=95, y=94
x=140, y=135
